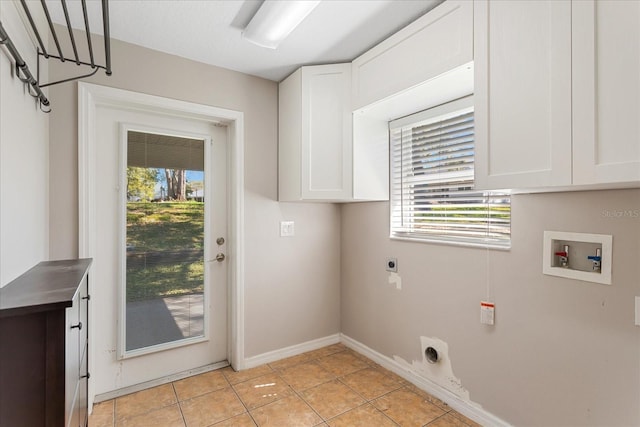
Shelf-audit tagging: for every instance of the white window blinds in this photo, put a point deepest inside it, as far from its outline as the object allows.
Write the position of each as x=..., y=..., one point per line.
x=150, y=150
x=432, y=196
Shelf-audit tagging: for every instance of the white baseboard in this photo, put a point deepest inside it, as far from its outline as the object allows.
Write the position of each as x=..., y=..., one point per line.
x=467, y=409
x=294, y=350
x=159, y=381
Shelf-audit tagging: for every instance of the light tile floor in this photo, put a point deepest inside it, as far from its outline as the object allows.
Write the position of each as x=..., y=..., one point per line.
x=333, y=386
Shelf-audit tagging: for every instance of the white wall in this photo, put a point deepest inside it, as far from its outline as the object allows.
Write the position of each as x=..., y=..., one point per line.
x=562, y=352
x=292, y=285
x=24, y=160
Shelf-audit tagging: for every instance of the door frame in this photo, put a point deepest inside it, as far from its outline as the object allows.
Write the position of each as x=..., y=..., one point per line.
x=90, y=96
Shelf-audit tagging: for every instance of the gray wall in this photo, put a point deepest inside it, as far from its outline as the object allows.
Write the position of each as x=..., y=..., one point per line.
x=24, y=163
x=561, y=353
x=303, y=269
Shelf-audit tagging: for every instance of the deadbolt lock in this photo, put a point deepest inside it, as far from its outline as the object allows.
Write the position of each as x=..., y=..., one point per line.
x=220, y=241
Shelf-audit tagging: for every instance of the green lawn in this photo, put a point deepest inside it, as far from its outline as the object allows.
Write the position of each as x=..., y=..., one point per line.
x=164, y=249
x=167, y=225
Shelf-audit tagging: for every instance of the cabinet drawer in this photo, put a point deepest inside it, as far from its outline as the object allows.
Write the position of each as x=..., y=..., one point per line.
x=82, y=399
x=83, y=305
x=73, y=330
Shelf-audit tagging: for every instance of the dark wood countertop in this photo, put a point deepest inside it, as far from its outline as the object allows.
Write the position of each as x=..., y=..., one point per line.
x=47, y=286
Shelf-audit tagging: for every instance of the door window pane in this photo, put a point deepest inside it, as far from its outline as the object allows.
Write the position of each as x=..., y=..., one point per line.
x=165, y=239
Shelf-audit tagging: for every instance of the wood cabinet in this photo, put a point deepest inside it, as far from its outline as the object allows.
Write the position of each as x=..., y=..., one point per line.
x=44, y=346
x=315, y=150
x=556, y=89
x=434, y=44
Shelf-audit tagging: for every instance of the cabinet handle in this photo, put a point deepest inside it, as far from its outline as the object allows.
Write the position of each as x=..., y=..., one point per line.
x=79, y=326
x=86, y=376
x=88, y=297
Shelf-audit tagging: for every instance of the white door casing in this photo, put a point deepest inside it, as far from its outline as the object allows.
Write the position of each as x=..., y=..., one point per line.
x=94, y=100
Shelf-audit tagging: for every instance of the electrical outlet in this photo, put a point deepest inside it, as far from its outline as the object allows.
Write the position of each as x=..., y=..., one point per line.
x=392, y=265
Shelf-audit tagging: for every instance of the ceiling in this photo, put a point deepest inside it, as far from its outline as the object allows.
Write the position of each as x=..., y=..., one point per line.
x=210, y=31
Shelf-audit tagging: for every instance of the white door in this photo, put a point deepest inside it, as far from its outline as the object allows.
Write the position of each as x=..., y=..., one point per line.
x=159, y=296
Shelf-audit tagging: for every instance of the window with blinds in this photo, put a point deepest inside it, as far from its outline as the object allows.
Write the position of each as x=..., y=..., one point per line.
x=432, y=188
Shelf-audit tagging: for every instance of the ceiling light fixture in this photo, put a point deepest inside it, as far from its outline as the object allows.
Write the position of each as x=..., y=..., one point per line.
x=275, y=20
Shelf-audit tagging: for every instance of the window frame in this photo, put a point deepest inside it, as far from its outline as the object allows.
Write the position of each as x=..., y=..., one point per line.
x=414, y=120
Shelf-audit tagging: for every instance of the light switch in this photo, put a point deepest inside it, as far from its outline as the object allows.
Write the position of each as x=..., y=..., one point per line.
x=287, y=229
x=637, y=311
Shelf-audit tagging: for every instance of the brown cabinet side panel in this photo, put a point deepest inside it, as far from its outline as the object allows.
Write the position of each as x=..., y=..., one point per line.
x=22, y=370
x=55, y=363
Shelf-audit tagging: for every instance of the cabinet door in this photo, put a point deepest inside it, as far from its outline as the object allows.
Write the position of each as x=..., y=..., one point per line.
x=434, y=44
x=606, y=91
x=82, y=399
x=289, y=138
x=83, y=348
x=326, y=132
x=523, y=93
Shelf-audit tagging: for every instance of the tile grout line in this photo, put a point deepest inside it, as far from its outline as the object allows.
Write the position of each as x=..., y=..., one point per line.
x=370, y=401
x=338, y=378
x=436, y=419
x=115, y=412
x=248, y=412
x=401, y=385
x=299, y=393
x=175, y=392
x=308, y=404
x=115, y=403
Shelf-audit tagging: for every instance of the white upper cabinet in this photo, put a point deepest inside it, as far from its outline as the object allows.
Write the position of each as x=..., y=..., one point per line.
x=606, y=91
x=315, y=144
x=333, y=119
x=522, y=93
x=434, y=44
x=557, y=89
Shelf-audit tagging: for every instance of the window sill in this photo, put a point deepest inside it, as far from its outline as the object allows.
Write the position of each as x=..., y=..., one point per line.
x=452, y=243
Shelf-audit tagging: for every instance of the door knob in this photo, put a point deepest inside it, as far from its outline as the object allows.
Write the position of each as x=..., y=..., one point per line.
x=220, y=257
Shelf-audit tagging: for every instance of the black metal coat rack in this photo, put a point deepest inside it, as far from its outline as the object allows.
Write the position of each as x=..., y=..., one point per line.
x=22, y=69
